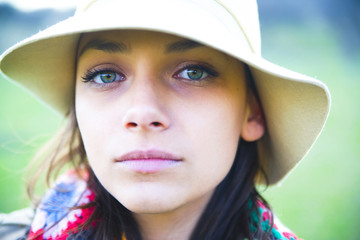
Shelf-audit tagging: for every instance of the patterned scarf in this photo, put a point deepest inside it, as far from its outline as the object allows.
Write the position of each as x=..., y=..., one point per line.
x=56, y=218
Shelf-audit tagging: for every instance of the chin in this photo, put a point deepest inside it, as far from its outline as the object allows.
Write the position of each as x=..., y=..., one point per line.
x=150, y=205
x=149, y=200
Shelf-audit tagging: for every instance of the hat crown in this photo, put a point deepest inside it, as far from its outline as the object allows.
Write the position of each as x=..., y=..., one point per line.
x=243, y=12
x=246, y=14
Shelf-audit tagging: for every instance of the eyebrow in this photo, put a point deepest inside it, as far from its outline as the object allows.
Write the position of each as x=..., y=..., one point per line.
x=106, y=46
x=182, y=46
x=115, y=47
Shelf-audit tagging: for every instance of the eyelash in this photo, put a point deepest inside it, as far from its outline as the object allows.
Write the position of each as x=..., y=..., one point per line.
x=208, y=70
x=91, y=74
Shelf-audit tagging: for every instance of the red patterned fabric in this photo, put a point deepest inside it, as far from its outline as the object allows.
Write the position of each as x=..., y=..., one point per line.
x=279, y=231
x=56, y=217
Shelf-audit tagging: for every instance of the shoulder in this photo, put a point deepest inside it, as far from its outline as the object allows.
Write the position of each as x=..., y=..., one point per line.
x=16, y=225
x=278, y=231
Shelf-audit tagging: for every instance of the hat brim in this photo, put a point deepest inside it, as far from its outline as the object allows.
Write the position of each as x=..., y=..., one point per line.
x=295, y=106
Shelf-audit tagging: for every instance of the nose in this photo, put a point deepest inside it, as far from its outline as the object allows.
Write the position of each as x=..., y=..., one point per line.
x=146, y=109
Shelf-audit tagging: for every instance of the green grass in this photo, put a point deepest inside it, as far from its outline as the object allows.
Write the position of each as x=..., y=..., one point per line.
x=320, y=200
x=25, y=125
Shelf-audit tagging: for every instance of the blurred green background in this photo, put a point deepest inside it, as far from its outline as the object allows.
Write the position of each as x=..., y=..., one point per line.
x=321, y=199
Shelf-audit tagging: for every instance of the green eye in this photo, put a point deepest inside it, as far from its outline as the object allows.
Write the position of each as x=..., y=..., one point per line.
x=106, y=77
x=194, y=73
x=103, y=76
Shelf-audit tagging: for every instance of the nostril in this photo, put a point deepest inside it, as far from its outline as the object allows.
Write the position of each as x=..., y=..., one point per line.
x=135, y=125
x=131, y=125
x=156, y=124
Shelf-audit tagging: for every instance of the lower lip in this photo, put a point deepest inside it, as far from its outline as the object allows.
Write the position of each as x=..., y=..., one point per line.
x=149, y=165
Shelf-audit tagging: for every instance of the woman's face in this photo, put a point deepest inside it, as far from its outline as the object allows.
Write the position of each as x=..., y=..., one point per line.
x=160, y=117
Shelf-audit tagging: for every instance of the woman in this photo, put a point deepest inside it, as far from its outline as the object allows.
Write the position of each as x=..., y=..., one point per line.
x=173, y=118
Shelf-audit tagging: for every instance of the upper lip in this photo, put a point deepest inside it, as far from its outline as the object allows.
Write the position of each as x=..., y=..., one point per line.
x=148, y=154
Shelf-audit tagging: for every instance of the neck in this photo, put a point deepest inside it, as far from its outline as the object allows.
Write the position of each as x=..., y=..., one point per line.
x=173, y=225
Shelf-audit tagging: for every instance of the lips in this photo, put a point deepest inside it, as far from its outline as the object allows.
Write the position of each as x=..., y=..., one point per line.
x=148, y=161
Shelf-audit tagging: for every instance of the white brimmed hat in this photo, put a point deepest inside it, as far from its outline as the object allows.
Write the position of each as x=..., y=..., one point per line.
x=295, y=106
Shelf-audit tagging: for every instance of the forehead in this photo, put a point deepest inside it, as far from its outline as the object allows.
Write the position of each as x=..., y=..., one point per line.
x=124, y=41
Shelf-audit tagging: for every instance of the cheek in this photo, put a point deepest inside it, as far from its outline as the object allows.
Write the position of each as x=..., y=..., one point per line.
x=217, y=119
x=214, y=129
x=93, y=130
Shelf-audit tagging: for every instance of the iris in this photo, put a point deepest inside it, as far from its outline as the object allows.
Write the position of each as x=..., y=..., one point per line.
x=195, y=73
x=107, y=77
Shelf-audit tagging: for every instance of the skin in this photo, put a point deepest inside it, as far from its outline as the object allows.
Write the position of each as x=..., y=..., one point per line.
x=155, y=106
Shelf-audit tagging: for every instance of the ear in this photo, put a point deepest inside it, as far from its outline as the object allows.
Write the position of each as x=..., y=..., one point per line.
x=253, y=127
